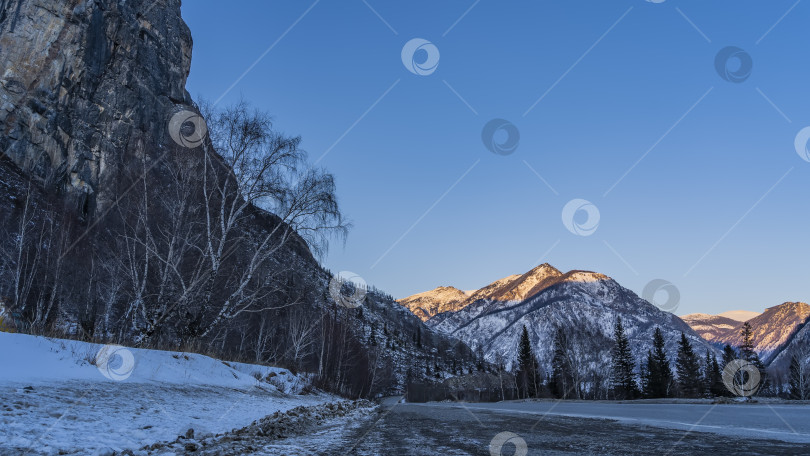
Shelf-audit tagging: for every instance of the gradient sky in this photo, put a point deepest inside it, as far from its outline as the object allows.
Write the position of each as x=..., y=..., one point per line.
x=717, y=206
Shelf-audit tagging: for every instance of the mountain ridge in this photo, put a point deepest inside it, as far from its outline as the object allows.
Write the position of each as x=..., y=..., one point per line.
x=772, y=330
x=586, y=304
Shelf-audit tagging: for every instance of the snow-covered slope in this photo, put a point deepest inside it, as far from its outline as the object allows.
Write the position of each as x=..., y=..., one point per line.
x=798, y=345
x=711, y=327
x=739, y=315
x=429, y=303
x=585, y=304
x=773, y=329
x=60, y=397
x=516, y=287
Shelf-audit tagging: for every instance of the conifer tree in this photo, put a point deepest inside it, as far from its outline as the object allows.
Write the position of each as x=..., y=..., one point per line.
x=658, y=379
x=645, y=367
x=688, y=368
x=562, y=376
x=799, y=378
x=719, y=389
x=622, y=376
x=748, y=353
x=729, y=355
x=708, y=380
x=713, y=376
x=527, y=373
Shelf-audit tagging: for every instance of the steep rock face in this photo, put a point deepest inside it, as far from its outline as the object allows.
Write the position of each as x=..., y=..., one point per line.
x=87, y=92
x=584, y=304
x=85, y=85
x=772, y=330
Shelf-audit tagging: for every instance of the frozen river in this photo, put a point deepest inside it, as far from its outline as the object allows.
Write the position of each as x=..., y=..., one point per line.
x=788, y=422
x=563, y=428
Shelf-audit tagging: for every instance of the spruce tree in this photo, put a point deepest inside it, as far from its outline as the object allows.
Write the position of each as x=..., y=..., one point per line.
x=527, y=373
x=708, y=380
x=799, y=378
x=719, y=387
x=688, y=368
x=622, y=376
x=748, y=353
x=562, y=382
x=747, y=348
x=658, y=381
x=646, y=368
x=713, y=377
x=729, y=355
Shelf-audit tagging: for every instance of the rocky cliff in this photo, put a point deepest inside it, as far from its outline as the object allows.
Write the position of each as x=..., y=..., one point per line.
x=90, y=97
x=85, y=86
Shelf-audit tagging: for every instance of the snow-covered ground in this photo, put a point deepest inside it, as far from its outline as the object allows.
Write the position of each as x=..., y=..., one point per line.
x=80, y=398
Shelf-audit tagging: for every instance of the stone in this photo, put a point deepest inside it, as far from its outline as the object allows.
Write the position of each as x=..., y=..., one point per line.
x=87, y=87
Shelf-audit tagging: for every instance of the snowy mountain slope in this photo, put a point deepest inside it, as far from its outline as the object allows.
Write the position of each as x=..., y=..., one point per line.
x=516, y=287
x=711, y=327
x=798, y=345
x=429, y=303
x=55, y=401
x=773, y=329
x=739, y=315
x=585, y=304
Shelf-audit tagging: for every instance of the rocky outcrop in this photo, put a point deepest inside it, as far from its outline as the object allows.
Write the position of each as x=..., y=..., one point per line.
x=86, y=86
x=90, y=92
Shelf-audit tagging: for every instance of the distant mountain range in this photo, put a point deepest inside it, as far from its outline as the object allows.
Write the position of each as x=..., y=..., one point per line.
x=773, y=329
x=584, y=304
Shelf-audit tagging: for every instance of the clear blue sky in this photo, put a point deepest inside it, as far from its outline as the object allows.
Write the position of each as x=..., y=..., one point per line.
x=718, y=207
